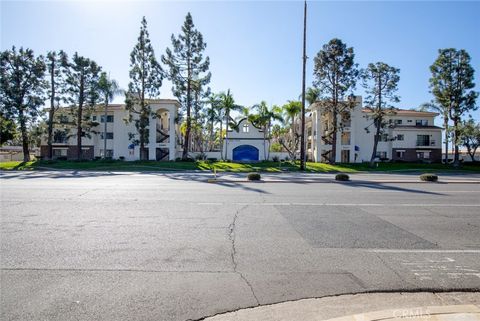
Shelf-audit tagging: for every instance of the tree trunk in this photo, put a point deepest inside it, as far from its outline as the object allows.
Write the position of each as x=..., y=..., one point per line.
x=333, y=156
x=375, y=142
x=445, y=125
x=79, y=117
x=456, y=160
x=378, y=122
x=23, y=129
x=51, y=112
x=220, y=138
x=189, y=106
x=227, y=116
x=265, y=143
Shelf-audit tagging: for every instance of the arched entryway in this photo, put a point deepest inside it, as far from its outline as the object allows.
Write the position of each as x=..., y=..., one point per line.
x=245, y=153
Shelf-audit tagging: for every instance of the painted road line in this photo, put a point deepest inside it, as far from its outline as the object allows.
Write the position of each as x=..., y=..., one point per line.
x=339, y=204
x=422, y=251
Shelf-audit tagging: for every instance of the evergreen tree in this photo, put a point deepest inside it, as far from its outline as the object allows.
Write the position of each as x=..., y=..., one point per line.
x=470, y=137
x=187, y=68
x=82, y=85
x=380, y=82
x=452, y=86
x=7, y=129
x=336, y=75
x=146, y=77
x=56, y=63
x=22, y=90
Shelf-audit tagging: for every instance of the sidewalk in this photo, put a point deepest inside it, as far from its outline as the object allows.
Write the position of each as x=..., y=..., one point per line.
x=422, y=306
x=354, y=177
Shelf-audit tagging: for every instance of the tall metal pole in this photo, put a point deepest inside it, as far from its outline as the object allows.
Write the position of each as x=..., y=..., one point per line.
x=302, y=140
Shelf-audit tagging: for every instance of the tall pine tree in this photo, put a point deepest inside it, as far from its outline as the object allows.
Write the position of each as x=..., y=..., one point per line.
x=452, y=86
x=22, y=90
x=82, y=85
x=56, y=63
x=381, y=83
x=336, y=75
x=187, y=68
x=146, y=77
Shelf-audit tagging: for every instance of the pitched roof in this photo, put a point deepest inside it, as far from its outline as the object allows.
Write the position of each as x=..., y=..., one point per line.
x=406, y=112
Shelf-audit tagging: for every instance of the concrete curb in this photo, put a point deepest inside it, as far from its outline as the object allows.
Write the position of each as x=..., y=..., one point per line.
x=325, y=181
x=398, y=306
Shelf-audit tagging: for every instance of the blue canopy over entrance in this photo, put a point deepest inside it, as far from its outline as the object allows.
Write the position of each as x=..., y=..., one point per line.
x=245, y=153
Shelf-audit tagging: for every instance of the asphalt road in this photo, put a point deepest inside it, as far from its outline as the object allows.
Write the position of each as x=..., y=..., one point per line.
x=120, y=246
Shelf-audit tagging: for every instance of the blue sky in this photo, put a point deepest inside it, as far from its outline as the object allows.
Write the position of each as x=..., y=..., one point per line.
x=254, y=47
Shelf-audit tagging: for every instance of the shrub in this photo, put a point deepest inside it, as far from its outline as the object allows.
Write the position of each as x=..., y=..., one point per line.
x=253, y=176
x=428, y=177
x=122, y=158
x=342, y=177
x=212, y=159
x=275, y=158
x=97, y=158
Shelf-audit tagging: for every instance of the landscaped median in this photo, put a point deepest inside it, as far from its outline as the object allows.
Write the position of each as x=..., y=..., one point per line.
x=220, y=166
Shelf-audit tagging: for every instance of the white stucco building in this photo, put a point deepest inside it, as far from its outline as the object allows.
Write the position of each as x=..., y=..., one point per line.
x=411, y=136
x=246, y=144
x=163, y=133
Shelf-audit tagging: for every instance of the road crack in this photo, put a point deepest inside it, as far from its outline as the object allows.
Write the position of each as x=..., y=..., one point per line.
x=233, y=253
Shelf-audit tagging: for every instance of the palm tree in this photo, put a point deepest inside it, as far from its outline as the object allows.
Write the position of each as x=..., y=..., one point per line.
x=213, y=115
x=291, y=110
x=108, y=89
x=445, y=116
x=227, y=104
x=312, y=95
x=264, y=118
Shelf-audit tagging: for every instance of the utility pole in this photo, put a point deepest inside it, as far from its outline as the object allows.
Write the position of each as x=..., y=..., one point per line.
x=302, y=140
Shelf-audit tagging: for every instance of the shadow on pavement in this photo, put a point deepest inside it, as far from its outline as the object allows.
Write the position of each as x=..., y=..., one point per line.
x=381, y=186
x=56, y=175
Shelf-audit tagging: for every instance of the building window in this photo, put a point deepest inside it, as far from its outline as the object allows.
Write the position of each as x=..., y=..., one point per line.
x=63, y=119
x=381, y=155
x=409, y=121
x=245, y=128
x=423, y=140
x=383, y=138
x=94, y=118
x=109, y=118
x=398, y=121
x=400, y=153
x=421, y=122
x=109, y=135
x=346, y=138
x=423, y=155
x=346, y=120
x=109, y=153
x=60, y=137
x=400, y=137
x=59, y=152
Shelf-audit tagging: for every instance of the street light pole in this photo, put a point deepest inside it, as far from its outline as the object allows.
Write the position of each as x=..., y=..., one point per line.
x=302, y=140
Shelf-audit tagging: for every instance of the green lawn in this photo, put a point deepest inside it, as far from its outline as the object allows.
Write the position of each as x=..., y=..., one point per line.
x=225, y=166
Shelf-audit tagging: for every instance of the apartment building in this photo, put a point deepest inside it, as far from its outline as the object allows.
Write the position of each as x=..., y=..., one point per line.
x=162, y=143
x=410, y=137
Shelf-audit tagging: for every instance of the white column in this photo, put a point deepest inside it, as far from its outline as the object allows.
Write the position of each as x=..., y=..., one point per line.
x=152, y=137
x=171, y=131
